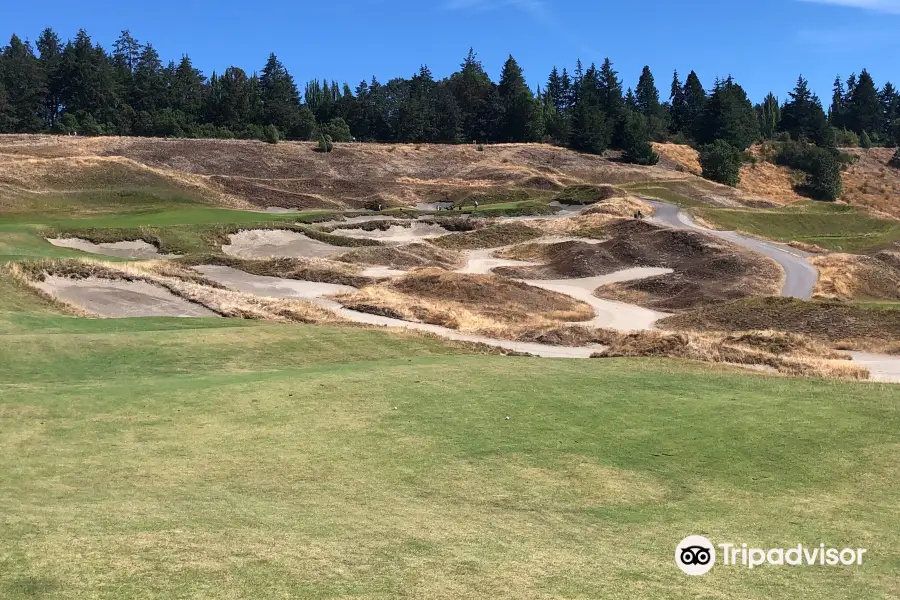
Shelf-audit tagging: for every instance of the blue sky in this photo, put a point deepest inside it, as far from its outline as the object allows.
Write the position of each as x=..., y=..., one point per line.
x=764, y=44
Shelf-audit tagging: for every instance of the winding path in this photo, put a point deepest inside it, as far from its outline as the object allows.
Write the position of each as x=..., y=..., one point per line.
x=800, y=277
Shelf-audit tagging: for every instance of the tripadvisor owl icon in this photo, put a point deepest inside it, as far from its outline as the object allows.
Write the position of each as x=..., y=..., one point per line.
x=695, y=555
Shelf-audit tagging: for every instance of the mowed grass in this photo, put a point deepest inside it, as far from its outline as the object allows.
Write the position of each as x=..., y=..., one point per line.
x=838, y=228
x=208, y=458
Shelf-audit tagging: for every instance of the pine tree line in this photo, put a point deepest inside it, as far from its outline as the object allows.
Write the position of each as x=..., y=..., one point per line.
x=79, y=86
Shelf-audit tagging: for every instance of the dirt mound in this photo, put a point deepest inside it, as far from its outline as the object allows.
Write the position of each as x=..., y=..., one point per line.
x=707, y=270
x=404, y=257
x=853, y=277
x=759, y=349
x=870, y=182
x=476, y=303
x=494, y=236
x=842, y=324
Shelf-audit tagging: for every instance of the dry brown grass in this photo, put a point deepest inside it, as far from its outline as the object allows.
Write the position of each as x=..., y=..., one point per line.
x=788, y=354
x=294, y=175
x=837, y=324
x=620, y=207
x=181, y=281
x=482, y=304
x=404, y=257
x=494, y=236
x=762, y=180
x=853, y=277
x=870, y=183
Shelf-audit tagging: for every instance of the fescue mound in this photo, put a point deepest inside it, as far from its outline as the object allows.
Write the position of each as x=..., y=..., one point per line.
x=841, y=324
x=411, y=256
x=707, y=270
x=494, y=236
x=312, y=269
x=853, y=277
x=789, y=354
x=476, y=303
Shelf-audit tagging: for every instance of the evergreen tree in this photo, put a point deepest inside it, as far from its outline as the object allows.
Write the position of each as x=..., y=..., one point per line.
x=636, y=141
x=865, y=141
x=279, y=97
x=769, y=116
x=694, y=105
x=50, y=48
x=803, y=117
x=890, y=102
x=837, y=112
x=824, y=176
x=612, y=103
x=864, y=110
x=522, y=118
x=676, y=105
x=477, y=98
x=591, y=131
x=186, y=92
x=25, y=86
x=729, y=116
x=647, y=101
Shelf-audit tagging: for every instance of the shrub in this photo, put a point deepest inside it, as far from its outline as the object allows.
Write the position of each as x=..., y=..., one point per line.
x=784, y=136
x=821, y=165
x=271, y=134
x=895, y=160
x=844, y=138
x=337, y=129
x=479, y=148
x=864, y=140
x=636, y=141
x=721, y=162
x=325, y=144
x=824, y=175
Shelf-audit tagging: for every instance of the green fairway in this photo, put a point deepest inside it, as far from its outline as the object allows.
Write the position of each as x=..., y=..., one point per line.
x=833, y=226
x=179, y=458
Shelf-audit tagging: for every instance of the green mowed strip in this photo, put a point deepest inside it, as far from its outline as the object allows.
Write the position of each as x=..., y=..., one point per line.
x=838, y=228
x=179, y=458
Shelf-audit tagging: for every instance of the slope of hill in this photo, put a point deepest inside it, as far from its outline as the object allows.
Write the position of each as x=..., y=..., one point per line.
x=246, y=174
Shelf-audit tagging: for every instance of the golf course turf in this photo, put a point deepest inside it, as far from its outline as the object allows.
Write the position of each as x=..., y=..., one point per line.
x=173, y=458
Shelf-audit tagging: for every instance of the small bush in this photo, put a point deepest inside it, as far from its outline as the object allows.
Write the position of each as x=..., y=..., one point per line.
x=721, y=162
x=479, y=148
x=844, y=138
x=821, y=165
x=271, y=134
x=895, y=160
x=325, y=144
x=784, y=136
x=864, y=140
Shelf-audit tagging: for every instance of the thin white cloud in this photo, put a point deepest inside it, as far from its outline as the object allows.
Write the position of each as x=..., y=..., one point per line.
x=885, y=6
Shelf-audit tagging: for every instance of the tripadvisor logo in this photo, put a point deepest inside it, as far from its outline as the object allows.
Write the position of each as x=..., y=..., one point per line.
x=696, y=555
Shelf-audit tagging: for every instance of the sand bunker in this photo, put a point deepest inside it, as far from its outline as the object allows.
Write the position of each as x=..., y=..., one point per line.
x=271, y=287
x=120, y=298
x=397, y=234
x=128, y=249
x=482, y=262
x=609, y=314
x=277, y=243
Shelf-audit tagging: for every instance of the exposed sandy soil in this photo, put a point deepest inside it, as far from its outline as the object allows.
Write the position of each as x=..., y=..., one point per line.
x=403, y=257
x=609, y=314
x=398, y=234
x=129, y=249
x=120, y=298
x=706, y=270
x=277, y=243
x=272, y=287
x=870, y=182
